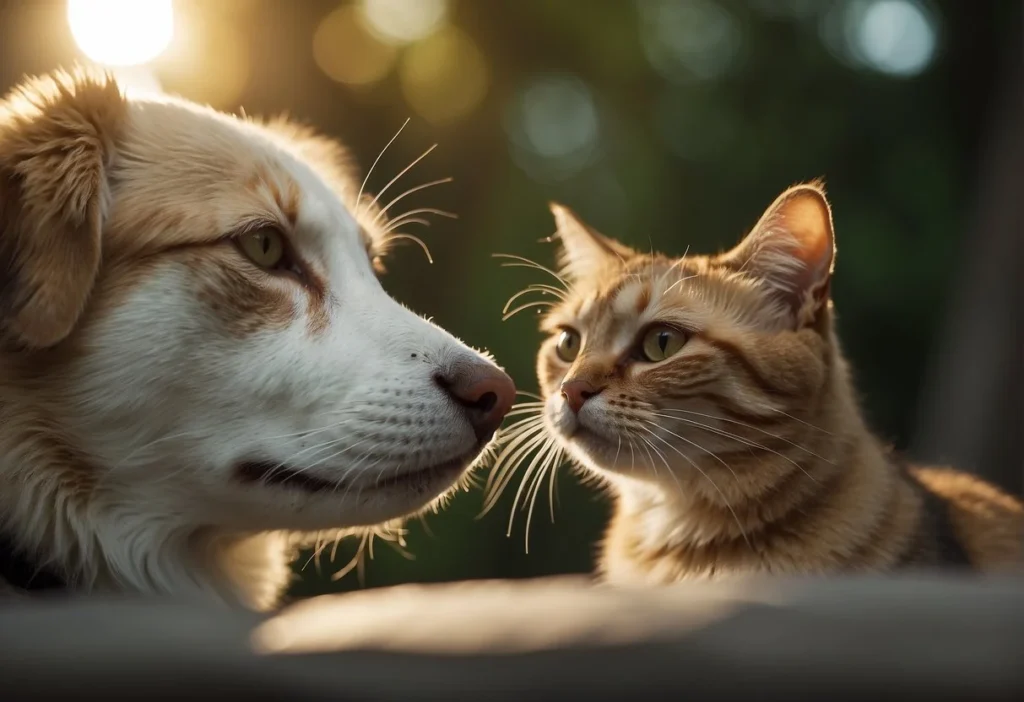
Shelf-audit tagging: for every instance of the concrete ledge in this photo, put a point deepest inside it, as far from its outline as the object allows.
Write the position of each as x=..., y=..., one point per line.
x=870, y=639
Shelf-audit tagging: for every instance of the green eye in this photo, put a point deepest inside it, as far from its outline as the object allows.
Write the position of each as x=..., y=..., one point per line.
x=661, y=342
x=264, y=247
x=568, y=346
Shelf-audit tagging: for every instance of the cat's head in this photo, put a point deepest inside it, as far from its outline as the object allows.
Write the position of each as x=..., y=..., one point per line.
x=656, y=365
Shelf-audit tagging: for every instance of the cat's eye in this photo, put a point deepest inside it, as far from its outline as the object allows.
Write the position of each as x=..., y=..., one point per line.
x=568, y=346
x=660, y=342
x=264, y=246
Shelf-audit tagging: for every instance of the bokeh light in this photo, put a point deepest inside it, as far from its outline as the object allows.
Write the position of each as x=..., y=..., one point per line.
x=188, y=67
x=554, y=126
x=697, y=39
x=121, y=32
x=896, y=37
x=137, y=81
x=347, y=53
x=404, y=21
x=444, y=77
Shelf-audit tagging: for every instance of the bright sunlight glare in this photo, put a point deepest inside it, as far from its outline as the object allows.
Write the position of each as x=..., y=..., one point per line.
x=121, y=32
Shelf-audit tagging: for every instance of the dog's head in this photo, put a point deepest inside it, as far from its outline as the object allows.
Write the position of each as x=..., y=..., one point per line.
x=191, y=298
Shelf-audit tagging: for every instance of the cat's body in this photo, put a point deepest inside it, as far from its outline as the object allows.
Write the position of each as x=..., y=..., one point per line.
x=712, y=396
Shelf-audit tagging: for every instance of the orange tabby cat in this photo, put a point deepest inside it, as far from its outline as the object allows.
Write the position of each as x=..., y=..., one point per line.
x=711, y=394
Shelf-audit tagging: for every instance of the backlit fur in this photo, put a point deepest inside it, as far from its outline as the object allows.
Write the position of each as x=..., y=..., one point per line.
x=746, y=450
x=144, y=356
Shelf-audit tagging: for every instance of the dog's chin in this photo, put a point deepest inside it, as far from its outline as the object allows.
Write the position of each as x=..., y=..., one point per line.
x=389, y=495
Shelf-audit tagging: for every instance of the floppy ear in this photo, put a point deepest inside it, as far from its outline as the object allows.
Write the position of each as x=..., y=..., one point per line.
x=584, y=253
x=56, y=138
x=792, y=251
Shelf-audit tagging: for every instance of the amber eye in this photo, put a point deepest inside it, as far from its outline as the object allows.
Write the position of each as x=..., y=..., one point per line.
x=264, y=246
x=568, y=346
x=660, y=342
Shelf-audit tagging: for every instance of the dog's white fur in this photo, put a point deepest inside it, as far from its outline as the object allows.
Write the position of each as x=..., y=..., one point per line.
x=118, y=441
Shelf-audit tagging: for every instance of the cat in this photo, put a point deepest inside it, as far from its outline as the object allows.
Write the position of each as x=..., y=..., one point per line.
x=710, y=393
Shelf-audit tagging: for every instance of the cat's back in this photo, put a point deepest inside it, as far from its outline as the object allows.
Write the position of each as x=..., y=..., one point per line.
x=987, y=523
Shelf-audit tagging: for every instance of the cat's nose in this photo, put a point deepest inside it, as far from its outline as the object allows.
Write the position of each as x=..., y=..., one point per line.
x=576, y=392
x=484, y=392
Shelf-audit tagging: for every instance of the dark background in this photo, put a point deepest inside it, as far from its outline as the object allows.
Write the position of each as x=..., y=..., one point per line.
x=668, y=124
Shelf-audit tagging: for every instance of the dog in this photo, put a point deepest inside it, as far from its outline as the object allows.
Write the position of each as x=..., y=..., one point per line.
x=197, y=359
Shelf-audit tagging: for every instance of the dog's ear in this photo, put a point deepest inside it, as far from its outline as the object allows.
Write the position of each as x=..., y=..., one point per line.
x=57, y=138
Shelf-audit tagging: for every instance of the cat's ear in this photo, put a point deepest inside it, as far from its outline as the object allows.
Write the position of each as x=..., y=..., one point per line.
x=56, y=140
x=584, y=252
x=792, y=250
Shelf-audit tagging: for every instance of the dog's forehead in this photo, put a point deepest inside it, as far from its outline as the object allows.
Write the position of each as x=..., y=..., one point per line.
x=187, y=174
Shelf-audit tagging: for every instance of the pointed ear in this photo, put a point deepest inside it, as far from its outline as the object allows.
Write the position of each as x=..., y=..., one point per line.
x=792, y=250
x=584, y=253
x=56, y=139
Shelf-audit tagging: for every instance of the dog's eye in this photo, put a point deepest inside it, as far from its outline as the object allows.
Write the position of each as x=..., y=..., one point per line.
x=264, y=246
x=660, y=342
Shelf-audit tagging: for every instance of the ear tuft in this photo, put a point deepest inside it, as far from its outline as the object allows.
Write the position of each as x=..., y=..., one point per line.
x=584, y=253
x=791, y=250
x=57, y=135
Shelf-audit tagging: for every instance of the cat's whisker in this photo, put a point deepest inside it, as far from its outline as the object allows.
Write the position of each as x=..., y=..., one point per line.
x=752, y=427
x=526, y=306
x=721, y=494
x=521, y=262
x=738, y=439
x=534, y=415
x=362, y=186
x=519, y=428
x=516, y=411
x=504, y=465
x=797, y=419
x=551, y=289
x=526, y=291
x=678, y=282
x=697, y=446
x=550, y=467
x=556, y=463
x=508, y=470
x=537, y=461
x=533, y=395
x=679, y=262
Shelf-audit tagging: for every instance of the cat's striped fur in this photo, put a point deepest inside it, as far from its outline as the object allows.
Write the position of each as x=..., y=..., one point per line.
x=743, y=449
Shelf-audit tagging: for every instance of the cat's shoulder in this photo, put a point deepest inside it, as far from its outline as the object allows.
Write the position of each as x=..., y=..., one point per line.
x=989, y=522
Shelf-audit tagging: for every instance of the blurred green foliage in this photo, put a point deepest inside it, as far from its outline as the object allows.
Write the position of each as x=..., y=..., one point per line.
x=899, y=156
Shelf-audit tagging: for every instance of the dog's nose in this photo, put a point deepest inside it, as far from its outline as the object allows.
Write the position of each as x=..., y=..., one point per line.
x=485, y=392
x=576, y=392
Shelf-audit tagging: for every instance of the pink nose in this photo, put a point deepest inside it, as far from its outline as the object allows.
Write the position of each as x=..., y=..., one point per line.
x=484, y=392
x=576, y=392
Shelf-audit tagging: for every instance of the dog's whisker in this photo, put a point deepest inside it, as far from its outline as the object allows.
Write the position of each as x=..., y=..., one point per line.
x=366, y=178
x=414, y=239
x=415, y=189
x=402, y=173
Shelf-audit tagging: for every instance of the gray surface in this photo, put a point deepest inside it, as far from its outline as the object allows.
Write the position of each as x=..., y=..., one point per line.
x=850, y=639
